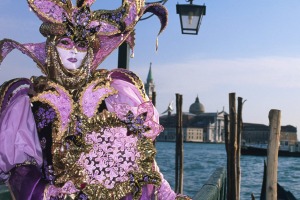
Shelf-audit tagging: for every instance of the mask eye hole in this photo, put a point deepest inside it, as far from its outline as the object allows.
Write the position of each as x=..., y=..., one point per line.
x=65, y=43
x=68, y=43
x=82, y=45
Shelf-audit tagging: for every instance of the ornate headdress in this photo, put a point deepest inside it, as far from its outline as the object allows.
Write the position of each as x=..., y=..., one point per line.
x=107, y=28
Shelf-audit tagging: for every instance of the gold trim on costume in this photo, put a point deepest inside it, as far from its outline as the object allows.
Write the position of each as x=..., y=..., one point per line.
x=57, y=2
x=3, y=89
x=65, y=162
x=136, y=81
x=58, y=124
x=98, y=84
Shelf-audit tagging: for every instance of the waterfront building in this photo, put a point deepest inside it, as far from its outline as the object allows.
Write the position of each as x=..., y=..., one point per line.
x=288, y=133
x=198, y=126
x=259, y=134
x=189, y=134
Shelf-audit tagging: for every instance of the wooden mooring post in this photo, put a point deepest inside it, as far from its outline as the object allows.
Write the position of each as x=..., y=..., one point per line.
x=179, y=147
x=239, y=138
x=233, y=131
x=272, y=159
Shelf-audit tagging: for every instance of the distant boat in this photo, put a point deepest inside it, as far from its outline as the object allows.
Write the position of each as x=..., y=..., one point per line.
x=261, y=150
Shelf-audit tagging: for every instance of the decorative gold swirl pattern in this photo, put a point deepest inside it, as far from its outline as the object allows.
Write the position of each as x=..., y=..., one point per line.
x=66, y=154
x=59, y=128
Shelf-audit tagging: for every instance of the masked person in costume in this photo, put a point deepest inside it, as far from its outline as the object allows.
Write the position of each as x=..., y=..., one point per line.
x=80, y=132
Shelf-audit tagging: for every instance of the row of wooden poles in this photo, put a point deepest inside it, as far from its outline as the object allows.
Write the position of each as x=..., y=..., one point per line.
x=233, y=124
x=233, y=132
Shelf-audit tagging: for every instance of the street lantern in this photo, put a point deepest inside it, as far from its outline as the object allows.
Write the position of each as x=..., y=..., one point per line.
x=190, y=17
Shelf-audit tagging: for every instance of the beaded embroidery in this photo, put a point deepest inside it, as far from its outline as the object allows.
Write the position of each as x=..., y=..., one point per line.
x=105, y=155
x=96, y=154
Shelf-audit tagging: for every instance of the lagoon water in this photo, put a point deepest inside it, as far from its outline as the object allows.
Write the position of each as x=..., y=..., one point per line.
x=200, y=161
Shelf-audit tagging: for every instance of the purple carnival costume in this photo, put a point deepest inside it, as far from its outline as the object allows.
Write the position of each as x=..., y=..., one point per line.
x=83, y=133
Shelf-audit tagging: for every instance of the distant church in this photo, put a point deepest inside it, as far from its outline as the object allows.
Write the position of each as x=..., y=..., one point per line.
x=198, y=126
x=201, y=126
x=149, y=85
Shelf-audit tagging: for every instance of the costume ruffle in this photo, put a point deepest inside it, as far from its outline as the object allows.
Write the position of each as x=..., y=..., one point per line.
x=36, y=51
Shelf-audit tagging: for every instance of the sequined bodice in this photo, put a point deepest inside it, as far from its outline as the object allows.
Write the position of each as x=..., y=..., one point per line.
x=95, y=150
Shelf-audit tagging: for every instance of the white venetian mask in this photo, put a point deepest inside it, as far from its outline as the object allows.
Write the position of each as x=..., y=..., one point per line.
x=71, y=53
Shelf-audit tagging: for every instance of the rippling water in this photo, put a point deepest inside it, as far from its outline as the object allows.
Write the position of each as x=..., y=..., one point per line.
x=200, y=161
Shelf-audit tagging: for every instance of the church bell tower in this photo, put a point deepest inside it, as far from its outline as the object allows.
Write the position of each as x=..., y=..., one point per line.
x=149, y=85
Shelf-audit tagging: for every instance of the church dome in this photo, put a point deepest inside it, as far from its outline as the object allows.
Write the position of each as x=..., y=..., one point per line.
x=197, y=107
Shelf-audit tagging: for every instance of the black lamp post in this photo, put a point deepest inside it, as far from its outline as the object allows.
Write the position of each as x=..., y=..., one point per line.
x=190, y=17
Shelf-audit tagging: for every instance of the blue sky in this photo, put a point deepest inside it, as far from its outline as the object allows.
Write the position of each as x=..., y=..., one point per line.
x=249, y=47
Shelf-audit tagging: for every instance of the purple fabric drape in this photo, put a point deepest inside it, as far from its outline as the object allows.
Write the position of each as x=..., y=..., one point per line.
x=19, y=141
x=26, y=183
